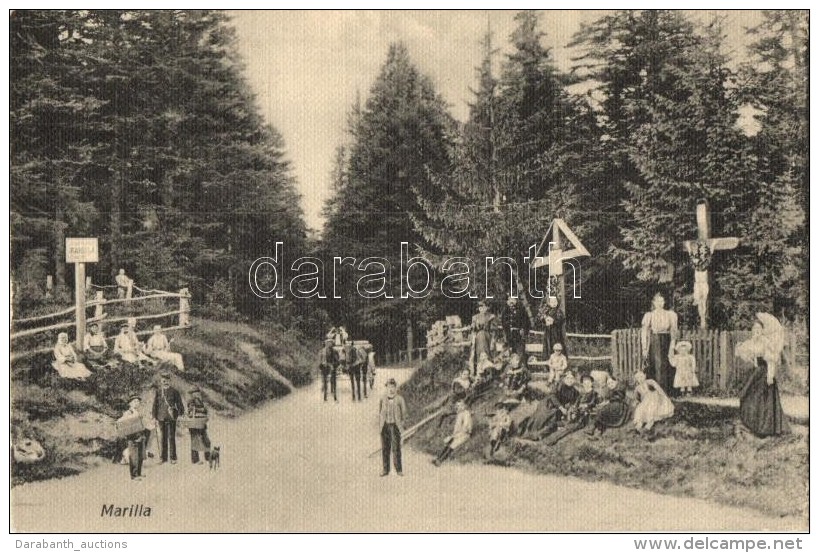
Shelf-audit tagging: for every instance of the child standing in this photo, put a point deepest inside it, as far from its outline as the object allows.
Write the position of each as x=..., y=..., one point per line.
x=199, y=436
x=685, y=377
x=558, y=363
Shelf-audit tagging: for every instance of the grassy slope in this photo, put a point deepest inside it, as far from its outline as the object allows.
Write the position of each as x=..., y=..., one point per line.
x=74, y=420
x=701, y=452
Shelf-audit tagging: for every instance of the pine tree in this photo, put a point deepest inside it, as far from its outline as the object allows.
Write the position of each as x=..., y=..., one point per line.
x=402, y=132
x=530, y=152
x=775, y=83
x=670, y=110
x=141, y=124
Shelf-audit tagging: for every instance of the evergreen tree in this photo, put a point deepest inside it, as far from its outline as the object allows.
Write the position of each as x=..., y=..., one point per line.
x=142, y=127
x=772, y=273
x=530, y=152
x=670, y=110
x=402, y=132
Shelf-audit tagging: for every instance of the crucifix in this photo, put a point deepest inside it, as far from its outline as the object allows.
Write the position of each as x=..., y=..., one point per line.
x=701, y=251
x=557, y=255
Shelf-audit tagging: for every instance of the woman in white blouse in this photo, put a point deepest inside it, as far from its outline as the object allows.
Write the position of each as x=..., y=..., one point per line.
x=66, y=362
x=159, y=348
x=659, y=335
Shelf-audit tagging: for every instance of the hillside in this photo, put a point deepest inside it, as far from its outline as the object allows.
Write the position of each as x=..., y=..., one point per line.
x=701, y=452
x=237, y=366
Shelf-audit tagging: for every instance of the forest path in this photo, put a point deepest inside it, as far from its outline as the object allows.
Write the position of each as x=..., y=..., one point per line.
x=299, y=464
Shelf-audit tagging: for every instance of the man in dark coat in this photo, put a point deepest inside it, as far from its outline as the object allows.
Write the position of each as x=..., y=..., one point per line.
x=515, y=324
x=328, y=364
x=353, y=369
x=168, y=406
x=392, y=415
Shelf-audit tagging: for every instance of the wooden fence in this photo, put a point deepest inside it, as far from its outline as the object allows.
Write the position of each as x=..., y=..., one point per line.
x=63, y=321
x=717, y=366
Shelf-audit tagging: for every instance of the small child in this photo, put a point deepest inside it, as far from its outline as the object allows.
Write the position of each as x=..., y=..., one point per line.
x=135, y=451
x=685, y=376
x=653, y=405
x=557, y=363
x=485, y=369
x=517, y=375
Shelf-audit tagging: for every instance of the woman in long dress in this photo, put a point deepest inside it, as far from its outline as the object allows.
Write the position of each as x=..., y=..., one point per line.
x=658, y=337
x=554, y=326
x=159, y=348
x=760, y=407
x=66, y=362
x=482, y=340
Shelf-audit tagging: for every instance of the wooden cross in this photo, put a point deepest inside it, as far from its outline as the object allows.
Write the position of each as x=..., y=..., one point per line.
x=701, y=250
x=557, y=255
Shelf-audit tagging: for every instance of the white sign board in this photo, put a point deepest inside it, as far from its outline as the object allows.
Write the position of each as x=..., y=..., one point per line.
x=82, y=250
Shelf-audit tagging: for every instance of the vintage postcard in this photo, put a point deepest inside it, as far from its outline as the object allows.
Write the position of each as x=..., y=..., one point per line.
x=408, y=271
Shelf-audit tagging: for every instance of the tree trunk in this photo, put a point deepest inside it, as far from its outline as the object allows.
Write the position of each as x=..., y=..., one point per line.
x=59, y=249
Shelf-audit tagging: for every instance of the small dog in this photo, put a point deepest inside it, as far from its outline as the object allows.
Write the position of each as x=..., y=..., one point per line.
x=214, y=458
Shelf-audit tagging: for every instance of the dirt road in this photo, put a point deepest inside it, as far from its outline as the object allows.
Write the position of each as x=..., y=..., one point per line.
x=299, y=464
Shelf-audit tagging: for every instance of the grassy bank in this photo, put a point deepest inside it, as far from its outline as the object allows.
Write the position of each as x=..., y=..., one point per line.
x=236, y=365
x=702, y=451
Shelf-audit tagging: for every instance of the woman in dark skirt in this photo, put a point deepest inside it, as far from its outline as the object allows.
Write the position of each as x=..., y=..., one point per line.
x=200, y=442
x=481, y=325
x=554, y=326
x=612, y=412
x=760, y=407
x=658, y=337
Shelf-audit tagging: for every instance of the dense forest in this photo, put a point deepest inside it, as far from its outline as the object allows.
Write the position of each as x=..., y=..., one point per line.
x=140, y=128
x=657, y=128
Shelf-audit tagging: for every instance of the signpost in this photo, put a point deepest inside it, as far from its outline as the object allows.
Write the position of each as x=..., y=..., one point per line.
x=80, y=251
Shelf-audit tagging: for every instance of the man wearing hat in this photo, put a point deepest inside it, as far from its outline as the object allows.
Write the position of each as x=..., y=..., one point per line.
x=392, y=414
x=515, y=325
x=168, y=406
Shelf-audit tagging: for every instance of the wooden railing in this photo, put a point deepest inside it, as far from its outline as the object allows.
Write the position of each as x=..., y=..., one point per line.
x=178, y=318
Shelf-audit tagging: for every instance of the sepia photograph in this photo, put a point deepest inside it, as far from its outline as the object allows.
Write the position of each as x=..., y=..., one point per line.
x=408, y=271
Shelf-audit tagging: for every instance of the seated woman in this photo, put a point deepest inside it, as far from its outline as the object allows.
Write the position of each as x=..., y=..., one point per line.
x=95, y=348
x=66, y=362
x=552, y=410
x=159, y=348
x=612, y=411
x=461, y=390
x=580, y=413
x=128, y=346
x=653, y=404
x=460, y=433
x=517, y=376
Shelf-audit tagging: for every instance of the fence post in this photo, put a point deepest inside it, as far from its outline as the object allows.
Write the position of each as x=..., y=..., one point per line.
x=49, y=286
x=614, y=357
x=99, y=300
x=184, y=307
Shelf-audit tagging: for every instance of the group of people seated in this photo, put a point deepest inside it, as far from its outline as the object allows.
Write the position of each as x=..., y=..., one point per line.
x=558, y=403
x=127, y=348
